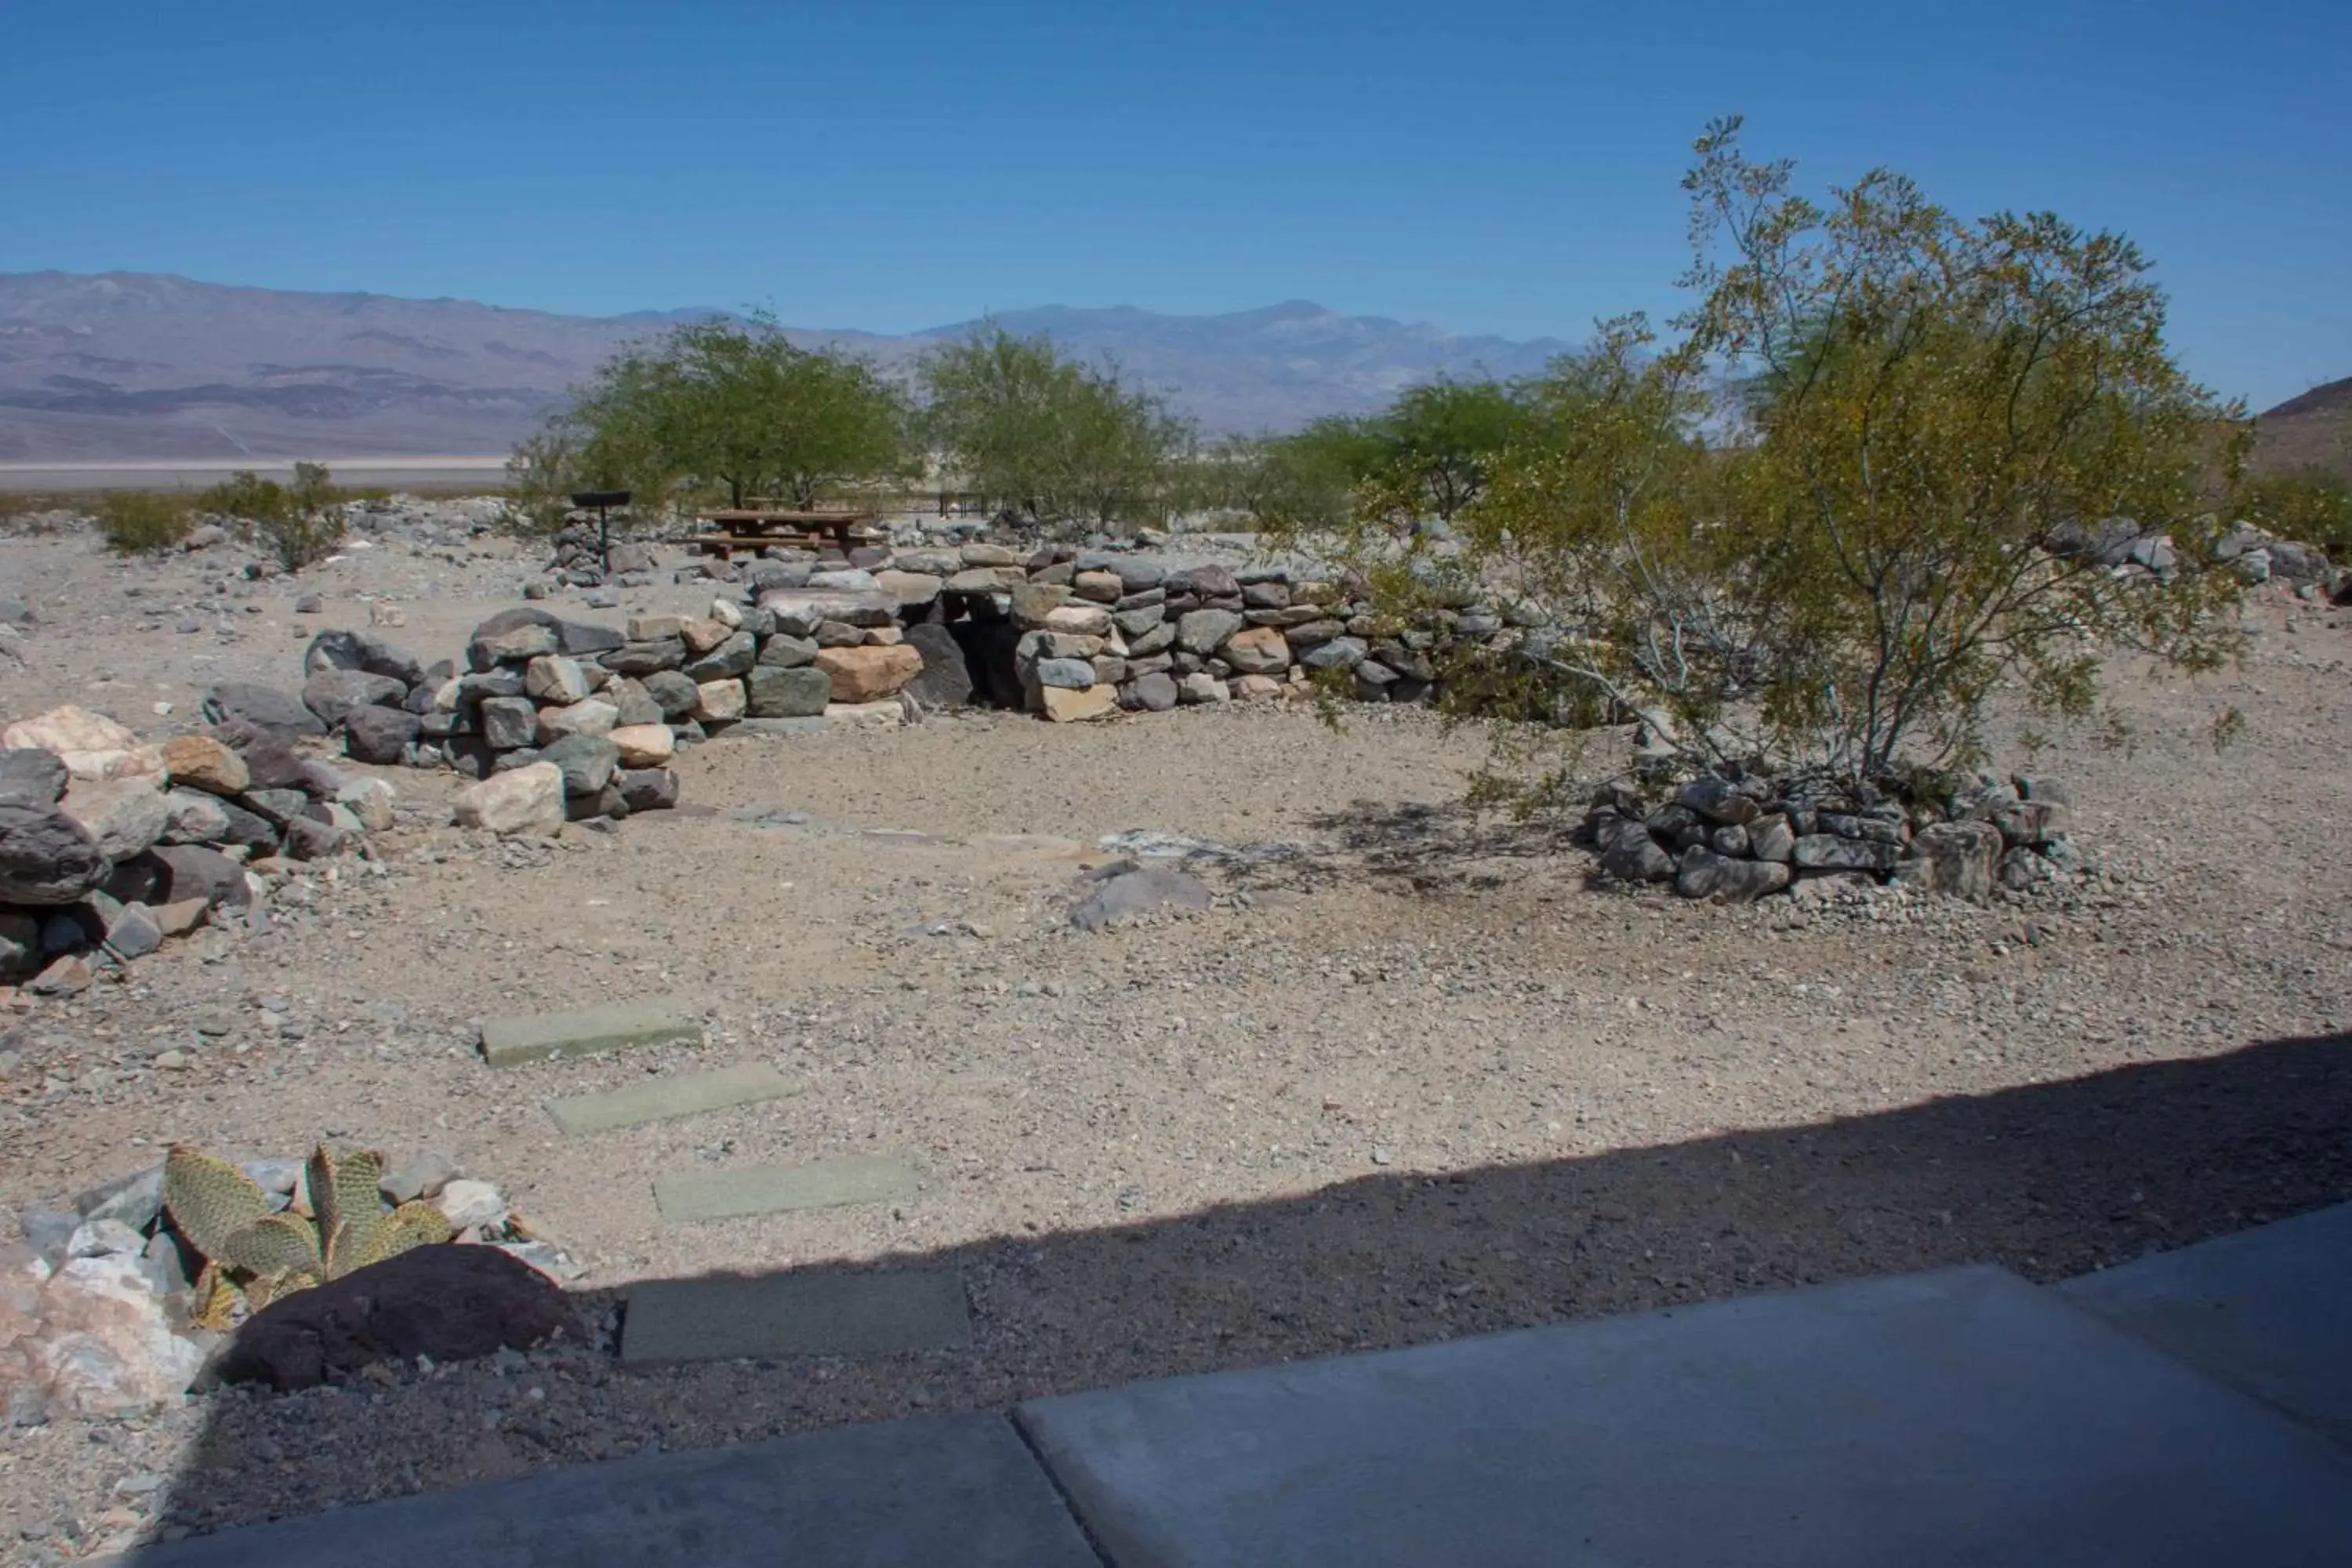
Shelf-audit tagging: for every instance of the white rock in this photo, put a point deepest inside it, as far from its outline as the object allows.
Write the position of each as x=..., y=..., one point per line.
x=105, y=1238
x=91, y=745
x=371, y=800
x=594, y=717
x=727, y=613
x=528, y=800
x=467, y=1203
x=719, y=701
x=105, y=1346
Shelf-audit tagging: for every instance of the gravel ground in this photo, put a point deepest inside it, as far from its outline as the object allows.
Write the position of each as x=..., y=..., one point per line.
x=1412, y=1078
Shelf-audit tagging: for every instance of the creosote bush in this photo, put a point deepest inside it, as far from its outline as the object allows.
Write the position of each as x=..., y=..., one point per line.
x=138, y=523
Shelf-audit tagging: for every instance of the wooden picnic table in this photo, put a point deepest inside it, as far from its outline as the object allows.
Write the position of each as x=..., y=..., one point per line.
x=731, y=529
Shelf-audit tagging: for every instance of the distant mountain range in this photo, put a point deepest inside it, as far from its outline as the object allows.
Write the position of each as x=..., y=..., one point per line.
x=126, y=366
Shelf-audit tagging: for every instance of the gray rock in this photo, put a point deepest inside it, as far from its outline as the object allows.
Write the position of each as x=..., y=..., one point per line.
x=636, y=704
x=1204, y=582
x=249, y=828
x=1629, y=853
x=277, y=806
x=1304, y=635
x=46, y=857
x=422, y=1175
x=585, y=640
x=262, y=709
x=1731, y=839
x=1717, y=800
x=1770, y=839
x=1961, y=858
x=1074, y=674
x=673, y=693
x=788, y=652
x=1157, y=641
x=728, y=660
x=20, y=943
x=135, y=1200
x=379, y=735
x=589, y=762
x=1340, y=653
x=645, y=658
x=1704, y=874
x=799, y=691
x=1134, y=893
x=2034, y=821
x=946, y=678
x=31, y=776
x=484, y=684
x=1833, y=852
x=48, y=1232
x=1876, y=829
x=361, y=651
x=1134, y=623
x=132, y=932
x=125, y=817
x=1203, y=631
x=648, y=789
x=507, y=722
x=2022, y=870
x=514, y=642
x=308, y=838
x=1155, y=692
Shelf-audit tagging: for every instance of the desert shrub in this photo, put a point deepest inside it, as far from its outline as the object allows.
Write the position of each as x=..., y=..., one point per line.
x=139, y=522
x=1828, y=521
x=245, y=498
x=299, y=524
x=2311, y=506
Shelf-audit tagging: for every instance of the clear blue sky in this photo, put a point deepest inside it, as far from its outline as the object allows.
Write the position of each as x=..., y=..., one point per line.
x=1489, y=167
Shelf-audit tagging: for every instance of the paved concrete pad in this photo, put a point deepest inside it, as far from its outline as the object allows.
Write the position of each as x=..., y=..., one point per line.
x=776, y=1189
x=951, y=1490
x=719, y=1317
x=1963, y=1417
x=2268, y=1309
x=544, y=1036
x=673, y=1095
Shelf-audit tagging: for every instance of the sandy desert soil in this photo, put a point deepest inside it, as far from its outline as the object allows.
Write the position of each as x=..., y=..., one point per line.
x=1410, y=1078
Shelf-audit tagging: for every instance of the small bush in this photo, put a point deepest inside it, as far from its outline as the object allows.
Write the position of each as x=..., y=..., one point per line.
x=247, y=498
x=139, y=522
x=299, y=524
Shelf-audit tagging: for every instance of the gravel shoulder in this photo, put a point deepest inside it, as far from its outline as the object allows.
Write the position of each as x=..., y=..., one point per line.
x=1410, y=1078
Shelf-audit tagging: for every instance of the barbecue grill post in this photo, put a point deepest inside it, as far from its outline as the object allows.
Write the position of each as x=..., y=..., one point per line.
x=601, y=503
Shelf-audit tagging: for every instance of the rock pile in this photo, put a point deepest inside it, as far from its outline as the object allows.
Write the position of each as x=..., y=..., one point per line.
x=539, y=713
x=108, y=847
x=1736, y=837
x=94, y=1301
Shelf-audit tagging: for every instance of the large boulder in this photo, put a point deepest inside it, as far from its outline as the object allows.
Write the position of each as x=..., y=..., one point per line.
x=1204, y=631
x=31, y=775
x=1704, y=874
x=868, y=674
x=46, y=856
x=361, y=651
x=192, y=871
x=445, y=1302
x=200, y=762
x=797, y=692
x=1961, y=858
x=125, y=815
x=945, y=679
x=516, y=636
x=525, y=800
x=1629, y=853
x=1131, y=891
x=379, y=735
x=588, y=761
x=260, y=709
x=90, y=745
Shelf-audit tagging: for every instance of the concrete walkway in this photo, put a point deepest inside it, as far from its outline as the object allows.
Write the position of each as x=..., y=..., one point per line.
x=2192, y=1408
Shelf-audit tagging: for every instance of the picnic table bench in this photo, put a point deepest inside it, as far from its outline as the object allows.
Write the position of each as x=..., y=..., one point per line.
x=754, y=528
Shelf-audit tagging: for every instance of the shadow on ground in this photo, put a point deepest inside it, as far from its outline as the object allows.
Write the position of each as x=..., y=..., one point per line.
x=2050, y=1180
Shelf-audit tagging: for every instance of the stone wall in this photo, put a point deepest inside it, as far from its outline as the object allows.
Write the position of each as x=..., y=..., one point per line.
x=1738, y=836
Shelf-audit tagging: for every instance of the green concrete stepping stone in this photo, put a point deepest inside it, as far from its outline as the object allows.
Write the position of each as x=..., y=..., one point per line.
x=662, y=1098
x=721, y=1317
x=776, y=1189
x=551, y=1036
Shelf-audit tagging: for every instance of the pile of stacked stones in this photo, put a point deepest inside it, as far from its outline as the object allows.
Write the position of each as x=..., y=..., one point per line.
x=536, y=689
x=108, y=847
x=1739, y=835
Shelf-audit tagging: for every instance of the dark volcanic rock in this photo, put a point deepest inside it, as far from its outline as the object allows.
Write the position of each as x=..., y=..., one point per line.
x=46, y=857
x=378, y=734
x=262, y=709
x=31, y=776
x=449, y=1303
x=946, y=679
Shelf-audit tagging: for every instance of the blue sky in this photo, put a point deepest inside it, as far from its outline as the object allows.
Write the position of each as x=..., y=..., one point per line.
x=1493, y=168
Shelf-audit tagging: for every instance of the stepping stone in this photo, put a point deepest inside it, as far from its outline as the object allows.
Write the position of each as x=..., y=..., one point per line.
x=957, y=1489
x=777, y=1189
x=720, y=1317
x=550, y=1036
x=661, y=1099
x=1936, y=1421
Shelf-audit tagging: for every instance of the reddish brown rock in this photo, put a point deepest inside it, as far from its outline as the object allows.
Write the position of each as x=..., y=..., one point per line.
x=450, y=1303
x=868, y=674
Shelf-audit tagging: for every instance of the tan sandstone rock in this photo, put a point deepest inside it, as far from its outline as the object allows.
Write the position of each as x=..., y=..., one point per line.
x=868, y=674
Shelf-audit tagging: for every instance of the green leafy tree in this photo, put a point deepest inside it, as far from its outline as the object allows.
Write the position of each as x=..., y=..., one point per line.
x=1025, y=428
x=1839, y=565
x=729, y=405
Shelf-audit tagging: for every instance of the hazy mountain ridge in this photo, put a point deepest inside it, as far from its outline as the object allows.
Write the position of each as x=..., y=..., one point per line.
x=148, y=365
